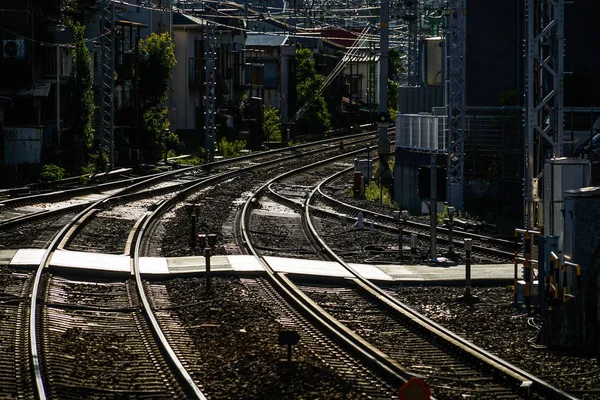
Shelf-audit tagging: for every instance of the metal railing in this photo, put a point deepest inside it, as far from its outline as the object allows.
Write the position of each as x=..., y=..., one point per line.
x=421, y=132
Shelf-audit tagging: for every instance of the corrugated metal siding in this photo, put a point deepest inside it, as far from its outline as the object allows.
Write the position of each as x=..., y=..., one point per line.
x=22, y=145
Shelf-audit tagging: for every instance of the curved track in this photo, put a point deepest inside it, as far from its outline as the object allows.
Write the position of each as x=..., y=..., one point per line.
x=443, y=346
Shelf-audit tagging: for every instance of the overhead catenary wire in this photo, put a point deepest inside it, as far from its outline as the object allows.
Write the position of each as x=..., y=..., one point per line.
x=338, y=68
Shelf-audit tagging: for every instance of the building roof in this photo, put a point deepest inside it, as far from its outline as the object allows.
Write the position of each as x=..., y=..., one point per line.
x=361, y=55
x=185, y=19
x=308, y=42
x=266, y=40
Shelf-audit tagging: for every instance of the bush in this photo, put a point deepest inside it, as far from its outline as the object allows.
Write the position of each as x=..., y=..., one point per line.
x=231, y=149
x=271, y=124
x=373, y=192
x=195, y=160
x=52, y=173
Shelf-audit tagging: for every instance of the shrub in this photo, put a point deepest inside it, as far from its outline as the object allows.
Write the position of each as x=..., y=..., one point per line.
x=52, y=173
x=231, y=149
x=374, y=192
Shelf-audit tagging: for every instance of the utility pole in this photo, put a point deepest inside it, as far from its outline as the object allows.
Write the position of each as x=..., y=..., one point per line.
x=544, y=93
x=372, y=83
x=411, y=18
x=210, y=44
x=107, y=77
x=58, y=97
x=383, y=144
x=456, y=52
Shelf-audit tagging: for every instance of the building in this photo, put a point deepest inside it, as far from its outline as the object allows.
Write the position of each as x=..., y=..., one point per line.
x=187, y=100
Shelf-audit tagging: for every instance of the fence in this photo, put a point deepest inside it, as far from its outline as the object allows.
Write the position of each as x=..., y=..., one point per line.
x=493, y=141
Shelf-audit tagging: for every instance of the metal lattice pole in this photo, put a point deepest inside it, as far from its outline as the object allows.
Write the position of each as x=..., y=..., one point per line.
x=210, y=41
x=383, y=143
x=456, y=86
x=107, y=78
x=411, y=18
x=544, y=93
x=371, y=100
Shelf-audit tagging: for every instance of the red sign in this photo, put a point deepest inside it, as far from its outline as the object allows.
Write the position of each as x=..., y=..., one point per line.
x=414, y=389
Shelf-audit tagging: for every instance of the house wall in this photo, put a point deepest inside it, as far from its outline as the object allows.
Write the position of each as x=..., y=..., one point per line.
x=184, y=99
x=362, y=69
x=271, y=97
x=22, y=144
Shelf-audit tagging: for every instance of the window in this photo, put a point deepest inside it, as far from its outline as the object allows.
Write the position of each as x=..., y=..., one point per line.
x=271, y=75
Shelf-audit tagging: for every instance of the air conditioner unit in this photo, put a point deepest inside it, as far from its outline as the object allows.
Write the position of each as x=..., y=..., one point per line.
x=14, y=48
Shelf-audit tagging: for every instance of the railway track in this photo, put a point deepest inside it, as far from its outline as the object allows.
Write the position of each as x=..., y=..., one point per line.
x=15, y=374
x=31, y=222
x=96, y=338
x=488, y=373
x=76, y=321
x=79, y=308
x=485, y=248
x=189, y=351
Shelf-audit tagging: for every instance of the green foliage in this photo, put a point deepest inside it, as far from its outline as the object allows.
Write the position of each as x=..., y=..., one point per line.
x=156, y=125
x=82, y=101
x=98, y=162
x=52, y=173
x=272, y=124
x=66, y=9
x=394, y=63
x=195, y=160
x=244, y=103
x=231, y=149
x=374, y=192
x=308, y=90
x=157, y=59
x=173, y=144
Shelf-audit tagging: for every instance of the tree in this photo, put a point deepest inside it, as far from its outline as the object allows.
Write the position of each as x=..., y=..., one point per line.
x=271, y=124
x=157, y=59
x=82, y=104
x=316, y=118
x=394, y=63
x=393, y=86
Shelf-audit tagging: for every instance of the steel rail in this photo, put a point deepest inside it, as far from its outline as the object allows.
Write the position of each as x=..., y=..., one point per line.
x=191, y=387
x=450, y=337
x=394, y=372
x=23, y=219
x=45, y=260
x=34, y=353
x=146, y=227
x=166, y=175
x=471, y=235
